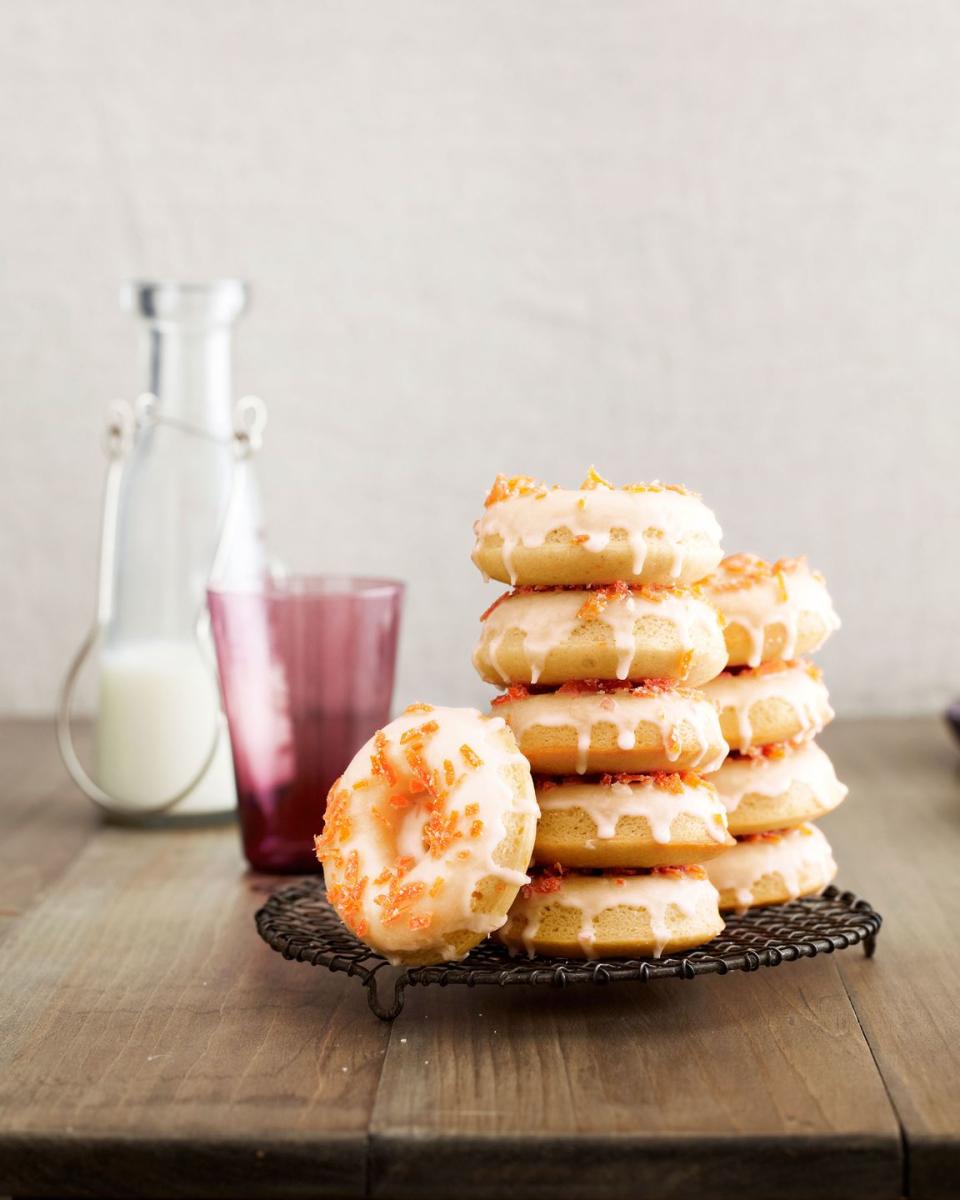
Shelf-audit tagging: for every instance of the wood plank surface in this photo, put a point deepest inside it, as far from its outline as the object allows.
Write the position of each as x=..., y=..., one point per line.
x=897, y=840
x=150, y=1045
x=44, y=820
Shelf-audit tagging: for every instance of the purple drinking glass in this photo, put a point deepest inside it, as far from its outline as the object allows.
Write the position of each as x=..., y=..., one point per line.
x=306, y=668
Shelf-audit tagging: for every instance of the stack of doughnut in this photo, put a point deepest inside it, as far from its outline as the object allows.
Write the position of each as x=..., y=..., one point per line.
x=772, y=702
x=600, y=647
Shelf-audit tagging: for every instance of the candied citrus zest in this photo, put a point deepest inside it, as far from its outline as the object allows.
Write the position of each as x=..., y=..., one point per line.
x=437, y=886
x=463, y=854
x=470, y=756
x=399, y=800
x=439, y=833
x=346, y=895
x=419, y=707
x=379, y=761
x=691, y=871
x=685, y=663
x=471, y=810
x=513, y=486
x=476, y=829
x=420, y=920
x=580, y=539
x=449, y=772
x=594, y=481
x=599, y=598
x=365, y=782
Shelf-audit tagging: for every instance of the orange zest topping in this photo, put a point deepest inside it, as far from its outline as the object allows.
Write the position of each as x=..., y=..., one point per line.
x=471, y=810
x=419, y=707
x=398, y=898
x=437, y=886
x=691, y=872
x=336, y=826
x=347, y=895
x=594, y=481
x=420, y=920
x=449, y=773
x=440, y=833
x=740, y=571
x=476, y=829
x=510, y=487
x=600, y=597
x=470, y=756
x=378, y=759
x=686, y=661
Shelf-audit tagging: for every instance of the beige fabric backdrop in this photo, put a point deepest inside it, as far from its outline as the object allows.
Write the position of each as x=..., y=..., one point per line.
x=714, y=242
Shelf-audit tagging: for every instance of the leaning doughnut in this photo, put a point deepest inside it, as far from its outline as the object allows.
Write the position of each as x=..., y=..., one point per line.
x=602, y=726
x=775, y=702
x=428, y=834
x=772, y=868
x=606, y=632
x=641, y=533
x=772, y=610
x=614, y=914
x=781, y=786
x=629, y=821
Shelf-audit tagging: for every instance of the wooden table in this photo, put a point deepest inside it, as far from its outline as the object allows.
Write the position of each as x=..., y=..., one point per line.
x=150, y=1045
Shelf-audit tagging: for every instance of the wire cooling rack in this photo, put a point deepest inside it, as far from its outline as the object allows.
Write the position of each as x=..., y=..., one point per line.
x=299, y=922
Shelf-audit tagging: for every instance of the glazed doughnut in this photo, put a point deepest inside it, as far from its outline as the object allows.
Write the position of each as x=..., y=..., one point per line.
x=641, y=533
x=775, y=702
x=613, y=915
x=778, y=787
x=428, y=834
x=602, y=726
x=606, y=632
x=629, y=821
x=772, y=610
x=772, y=868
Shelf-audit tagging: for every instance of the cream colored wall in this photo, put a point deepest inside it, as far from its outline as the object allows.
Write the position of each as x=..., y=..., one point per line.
x=716, y=242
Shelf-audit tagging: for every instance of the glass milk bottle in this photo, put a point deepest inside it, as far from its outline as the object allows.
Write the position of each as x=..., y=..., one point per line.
x=186, y=509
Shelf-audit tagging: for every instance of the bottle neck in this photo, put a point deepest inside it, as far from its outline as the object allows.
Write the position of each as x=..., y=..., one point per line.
x=189, y=368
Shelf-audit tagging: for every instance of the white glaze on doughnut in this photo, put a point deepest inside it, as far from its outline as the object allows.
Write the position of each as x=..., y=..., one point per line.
x=757, y=595
x=625, y=710
x=380, y=832
x=797, y=684
x=548, y=618
x=762, y=776
x=592, y=514
x=801, y=857
x=593, y=895
x=645, y=796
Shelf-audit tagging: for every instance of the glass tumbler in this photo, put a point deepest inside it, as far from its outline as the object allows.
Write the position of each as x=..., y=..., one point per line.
x=306, y=668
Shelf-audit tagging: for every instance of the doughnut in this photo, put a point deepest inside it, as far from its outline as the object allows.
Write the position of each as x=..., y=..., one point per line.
x=624, y=914
x=778, y=787
x=775, y=702
x=613, y=727
x=772, y=610
x=642, y=533
x=604, y=632
x=772, y=868
x=428, y=834
x=629, y=821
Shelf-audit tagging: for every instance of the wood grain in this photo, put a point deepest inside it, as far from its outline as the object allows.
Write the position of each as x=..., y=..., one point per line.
x=897, y=839
x=150, y=1045
x=674, y=1091
x=44, y=819
x=140, y=1015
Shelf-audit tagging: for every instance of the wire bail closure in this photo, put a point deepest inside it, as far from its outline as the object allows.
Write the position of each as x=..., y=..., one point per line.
x=123, y=424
